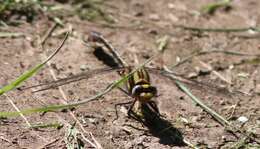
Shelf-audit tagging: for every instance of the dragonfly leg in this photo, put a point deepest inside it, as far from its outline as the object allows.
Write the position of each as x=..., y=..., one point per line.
x=130, y=111
x=132, y=114
x=120, y=104
x=154, y=106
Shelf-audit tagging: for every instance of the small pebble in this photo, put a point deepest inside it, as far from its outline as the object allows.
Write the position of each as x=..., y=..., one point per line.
x=242, y=119
x=84, y=67
x=171, y=5
x=92, y=120
x=257, y=89
x=184, y=120
x=123, y=110
x=154, y=17
x=192, y=75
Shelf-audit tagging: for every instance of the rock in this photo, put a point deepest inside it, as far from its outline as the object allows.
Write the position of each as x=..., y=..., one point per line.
x=242, y=119
x=84, y=67
x=154, y=17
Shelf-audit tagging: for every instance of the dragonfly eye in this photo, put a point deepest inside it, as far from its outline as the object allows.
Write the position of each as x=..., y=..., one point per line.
x=94, y=37
x=144, y=92
x=137, y=89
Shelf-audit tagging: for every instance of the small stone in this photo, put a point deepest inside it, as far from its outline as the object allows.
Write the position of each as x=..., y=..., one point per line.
x=202, y=71
x=243, y=75
x=123, y=110
x=138, y=14
x=154, y=17
x=173, y=18
x=171, y=5
x=257, y=89
x=192, y=75
x=84, y=67
x=92, y=120
x=153, y=31
x=184, y=120
x=242, y=119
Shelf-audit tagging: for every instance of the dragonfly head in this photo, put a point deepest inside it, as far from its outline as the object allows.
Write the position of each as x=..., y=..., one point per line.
x=144, y=92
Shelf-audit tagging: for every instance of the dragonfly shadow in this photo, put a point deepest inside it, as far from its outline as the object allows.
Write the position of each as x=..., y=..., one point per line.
x=161, y=128
x=103, y=56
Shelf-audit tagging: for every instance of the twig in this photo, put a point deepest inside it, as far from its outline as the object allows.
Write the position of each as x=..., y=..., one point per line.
x=48, y=143
x=184, y=60
x=215, y=72
x=48, y=34
x=227, y=30
x=18, y=110
x=7, y=140
x=233, y=110
x=98, y=145
x=190, y=144
x=22, y=115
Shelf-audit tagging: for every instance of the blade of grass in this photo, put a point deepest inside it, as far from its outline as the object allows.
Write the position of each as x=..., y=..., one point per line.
x=52, y=108
x=48, y=125
x=10, y=34
x=218, y=117
x=227, y=30
x=32, y=71
x=211, y=8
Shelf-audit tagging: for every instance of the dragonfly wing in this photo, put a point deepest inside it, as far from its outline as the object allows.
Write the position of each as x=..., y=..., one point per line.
x=198, y=85
x=74, y=78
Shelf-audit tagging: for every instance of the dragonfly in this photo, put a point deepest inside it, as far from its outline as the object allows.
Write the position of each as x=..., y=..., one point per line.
x=138, y=85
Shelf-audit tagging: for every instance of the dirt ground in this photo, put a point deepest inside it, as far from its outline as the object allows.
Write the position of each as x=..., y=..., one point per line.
x=138, y=25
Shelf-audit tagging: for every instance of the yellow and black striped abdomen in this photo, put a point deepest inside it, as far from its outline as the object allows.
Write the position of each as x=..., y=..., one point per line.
x=141, y=76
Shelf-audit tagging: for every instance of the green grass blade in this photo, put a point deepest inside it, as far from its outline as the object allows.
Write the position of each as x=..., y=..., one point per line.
x=211, y=8
x=47, y=125
x=10, y=34
x=218, y=117
x=52, y=108
x=30, y=72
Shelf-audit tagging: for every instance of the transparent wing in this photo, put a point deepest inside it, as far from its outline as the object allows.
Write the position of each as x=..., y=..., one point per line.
x=88, y=74
x=193, y=84
x=74, y=78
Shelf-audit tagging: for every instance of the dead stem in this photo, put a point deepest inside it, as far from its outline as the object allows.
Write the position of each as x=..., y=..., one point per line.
x=227, y=30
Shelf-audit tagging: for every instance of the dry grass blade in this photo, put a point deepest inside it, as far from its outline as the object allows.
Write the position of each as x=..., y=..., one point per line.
x=215, y=72
x=226, y=30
